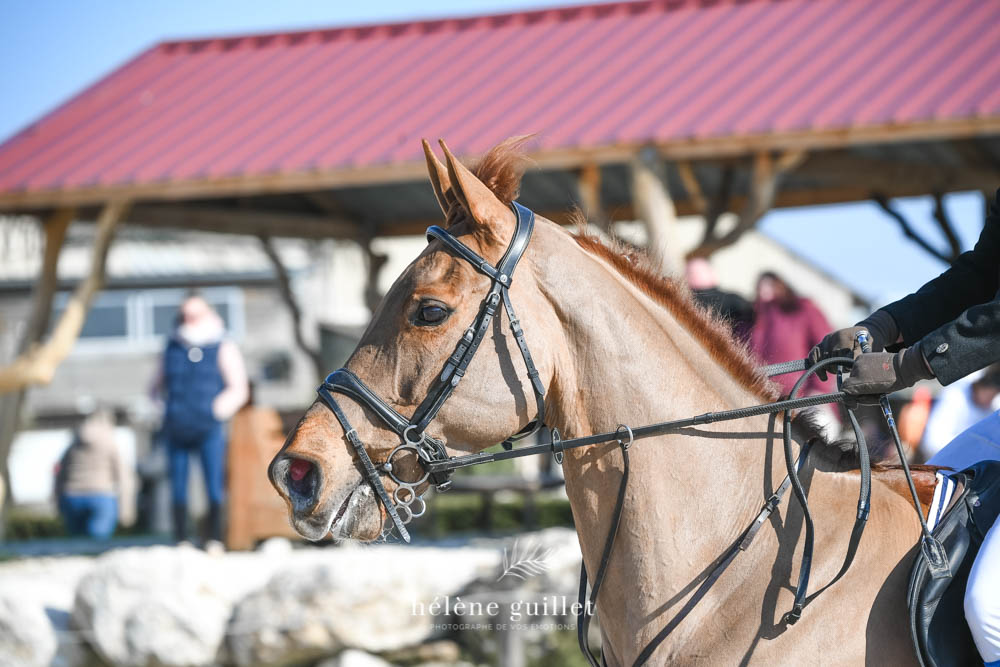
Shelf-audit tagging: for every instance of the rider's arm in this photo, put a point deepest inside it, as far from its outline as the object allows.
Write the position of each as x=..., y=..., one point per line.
x=954, y=320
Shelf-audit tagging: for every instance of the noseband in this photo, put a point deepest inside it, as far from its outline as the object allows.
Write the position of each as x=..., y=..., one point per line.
x=406, y=503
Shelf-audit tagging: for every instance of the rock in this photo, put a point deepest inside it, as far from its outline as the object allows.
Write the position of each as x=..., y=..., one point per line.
x=442, y=651
x=161, y=605
x=274, y=547
x=27, y=638
x=42, y=588
x=354, y=658
x=370, y=598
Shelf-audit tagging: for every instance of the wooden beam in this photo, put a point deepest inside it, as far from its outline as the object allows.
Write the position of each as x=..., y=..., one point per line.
x=656, y=209
x=38, y=364
x=767, y=175
x=254, y=222
x=55, y=228
x=699, y=148
x=842, y=169
x=326, y=203
x=692, y=187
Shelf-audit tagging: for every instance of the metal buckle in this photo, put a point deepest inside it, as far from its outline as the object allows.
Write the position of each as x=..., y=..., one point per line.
x=557, y=451
x=628, y=432
x=406, y=436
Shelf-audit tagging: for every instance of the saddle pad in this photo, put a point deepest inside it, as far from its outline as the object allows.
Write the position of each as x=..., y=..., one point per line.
x=944, y=488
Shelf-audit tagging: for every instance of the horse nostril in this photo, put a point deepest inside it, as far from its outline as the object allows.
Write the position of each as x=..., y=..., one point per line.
x=302, y=483
x=299, y=469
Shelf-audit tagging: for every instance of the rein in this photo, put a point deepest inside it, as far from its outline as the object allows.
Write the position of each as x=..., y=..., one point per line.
x=405, y=503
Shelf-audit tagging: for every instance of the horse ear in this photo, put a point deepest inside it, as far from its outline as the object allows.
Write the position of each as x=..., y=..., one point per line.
x=476, y=198
x=439, y=179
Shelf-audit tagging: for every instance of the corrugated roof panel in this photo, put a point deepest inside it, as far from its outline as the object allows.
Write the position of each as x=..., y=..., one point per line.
x=580, y=77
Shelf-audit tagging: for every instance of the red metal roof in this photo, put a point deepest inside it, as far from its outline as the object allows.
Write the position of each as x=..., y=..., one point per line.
x=584, y=77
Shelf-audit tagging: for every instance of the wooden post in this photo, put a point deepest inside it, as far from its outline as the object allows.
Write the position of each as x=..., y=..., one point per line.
x=12, y=403
x=38, y=363
x=588, y=185
x=654, y=206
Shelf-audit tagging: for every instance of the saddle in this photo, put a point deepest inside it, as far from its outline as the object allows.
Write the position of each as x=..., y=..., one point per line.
x=940, y=634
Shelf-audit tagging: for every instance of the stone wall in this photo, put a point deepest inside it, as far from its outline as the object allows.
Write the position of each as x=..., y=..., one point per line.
x=349, y=605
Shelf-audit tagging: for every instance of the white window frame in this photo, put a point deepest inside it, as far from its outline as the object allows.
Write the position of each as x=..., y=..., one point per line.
x=138, y=303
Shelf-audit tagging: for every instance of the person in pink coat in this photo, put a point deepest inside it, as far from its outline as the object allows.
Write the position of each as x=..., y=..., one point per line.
x=786, y=327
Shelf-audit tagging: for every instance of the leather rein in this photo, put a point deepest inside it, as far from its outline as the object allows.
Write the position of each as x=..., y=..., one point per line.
x=405, y=503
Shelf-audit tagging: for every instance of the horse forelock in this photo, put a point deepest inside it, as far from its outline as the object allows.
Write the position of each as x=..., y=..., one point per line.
x=502, y=168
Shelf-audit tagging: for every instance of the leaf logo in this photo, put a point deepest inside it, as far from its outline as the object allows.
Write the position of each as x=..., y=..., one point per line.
x=524, y=563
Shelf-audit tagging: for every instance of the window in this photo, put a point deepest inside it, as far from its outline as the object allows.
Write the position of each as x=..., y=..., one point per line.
x=143, y=318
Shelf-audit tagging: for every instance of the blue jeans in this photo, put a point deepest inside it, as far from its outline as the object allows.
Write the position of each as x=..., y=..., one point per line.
x=93, y=514
x=212, y=449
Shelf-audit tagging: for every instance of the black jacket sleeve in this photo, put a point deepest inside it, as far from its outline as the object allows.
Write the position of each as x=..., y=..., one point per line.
x=956, y=316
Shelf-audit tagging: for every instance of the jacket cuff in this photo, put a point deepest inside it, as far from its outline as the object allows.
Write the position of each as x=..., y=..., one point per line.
x=941, y=358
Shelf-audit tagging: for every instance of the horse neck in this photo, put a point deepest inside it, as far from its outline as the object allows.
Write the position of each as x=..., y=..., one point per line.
x=627, y=359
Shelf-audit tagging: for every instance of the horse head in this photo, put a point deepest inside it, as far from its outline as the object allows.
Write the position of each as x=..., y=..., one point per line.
x=400, y=358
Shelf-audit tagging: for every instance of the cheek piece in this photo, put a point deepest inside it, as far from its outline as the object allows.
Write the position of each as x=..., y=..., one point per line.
x=405, y=502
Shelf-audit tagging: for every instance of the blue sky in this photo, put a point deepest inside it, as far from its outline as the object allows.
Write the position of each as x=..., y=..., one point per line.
x=51, y=49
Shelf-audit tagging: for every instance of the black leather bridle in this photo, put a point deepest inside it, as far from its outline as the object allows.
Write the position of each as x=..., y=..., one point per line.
x=438, y=466
x=413, y=433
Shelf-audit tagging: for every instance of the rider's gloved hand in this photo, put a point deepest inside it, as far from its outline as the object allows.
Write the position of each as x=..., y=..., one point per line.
x=882, y=331
x=886, y=372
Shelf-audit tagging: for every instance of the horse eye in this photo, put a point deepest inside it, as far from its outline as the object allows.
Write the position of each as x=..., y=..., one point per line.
x=431, y=313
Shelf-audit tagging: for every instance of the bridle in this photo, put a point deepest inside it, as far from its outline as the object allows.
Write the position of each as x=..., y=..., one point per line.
x=406, y=503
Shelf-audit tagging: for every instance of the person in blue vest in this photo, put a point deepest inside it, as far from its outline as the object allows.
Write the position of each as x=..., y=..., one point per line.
x=203, y=382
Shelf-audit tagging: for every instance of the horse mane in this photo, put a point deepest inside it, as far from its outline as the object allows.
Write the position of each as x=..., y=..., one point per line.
x=713, y=332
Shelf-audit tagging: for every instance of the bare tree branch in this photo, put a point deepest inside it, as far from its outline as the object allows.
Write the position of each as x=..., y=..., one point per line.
x=285, y=288
x=947, y=228
x=38, y=364
x=884, y=204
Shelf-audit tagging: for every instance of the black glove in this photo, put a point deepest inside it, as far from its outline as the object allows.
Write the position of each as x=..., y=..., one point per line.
x=882, y=331
x=886, y=372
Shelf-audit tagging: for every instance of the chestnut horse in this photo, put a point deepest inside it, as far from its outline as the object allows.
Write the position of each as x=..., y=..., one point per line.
x=616, y=343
